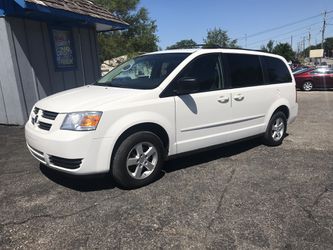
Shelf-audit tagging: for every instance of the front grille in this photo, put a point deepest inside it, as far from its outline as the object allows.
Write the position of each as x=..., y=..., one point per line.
x=36, y=110
x=65, y=163
x=44, y=125
x=49, y=115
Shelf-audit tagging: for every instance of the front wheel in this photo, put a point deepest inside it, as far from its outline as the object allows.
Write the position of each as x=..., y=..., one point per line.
x=138, y=160
x=276, y=129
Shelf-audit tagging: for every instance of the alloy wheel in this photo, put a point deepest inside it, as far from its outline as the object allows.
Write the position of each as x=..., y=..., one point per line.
x=307, y=86
x=142, y=160
x=278, y=129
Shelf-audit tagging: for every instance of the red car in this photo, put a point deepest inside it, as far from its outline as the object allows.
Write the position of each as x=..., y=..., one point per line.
x=320, y=78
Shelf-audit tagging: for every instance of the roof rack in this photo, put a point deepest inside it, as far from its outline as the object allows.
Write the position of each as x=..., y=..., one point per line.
x=216, y=46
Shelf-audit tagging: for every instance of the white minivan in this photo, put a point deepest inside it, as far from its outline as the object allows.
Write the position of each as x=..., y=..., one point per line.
x=162, y=104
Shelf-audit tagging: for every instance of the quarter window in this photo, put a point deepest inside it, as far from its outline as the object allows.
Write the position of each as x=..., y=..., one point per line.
x=276, y=70
x=245, y=70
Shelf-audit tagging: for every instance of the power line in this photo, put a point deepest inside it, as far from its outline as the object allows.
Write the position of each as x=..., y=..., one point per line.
x=282, y=26
x=310, y=26
x=288, y=38
x=282, y=34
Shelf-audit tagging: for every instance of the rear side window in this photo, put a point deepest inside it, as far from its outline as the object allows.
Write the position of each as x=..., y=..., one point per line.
x=244, y=70
x=276, y=70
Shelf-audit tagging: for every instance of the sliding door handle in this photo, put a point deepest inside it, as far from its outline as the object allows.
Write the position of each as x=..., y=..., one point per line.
x=239, y=97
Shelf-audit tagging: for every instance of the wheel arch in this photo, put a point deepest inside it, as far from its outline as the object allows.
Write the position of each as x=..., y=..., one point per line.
x=284, y=109
x=152, y=127
x=281, y=105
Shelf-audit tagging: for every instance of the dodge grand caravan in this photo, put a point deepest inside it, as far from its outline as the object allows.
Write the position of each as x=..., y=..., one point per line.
x=161, y=104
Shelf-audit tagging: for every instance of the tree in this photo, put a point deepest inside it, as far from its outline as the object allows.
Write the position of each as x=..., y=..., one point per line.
x=328, y=45
x=140, y=36
x=183, y=44
x=285, y=50
x=219, y=37
x=269, y=47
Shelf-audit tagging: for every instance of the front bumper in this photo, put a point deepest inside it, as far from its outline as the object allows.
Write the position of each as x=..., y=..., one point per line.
x=74, y=152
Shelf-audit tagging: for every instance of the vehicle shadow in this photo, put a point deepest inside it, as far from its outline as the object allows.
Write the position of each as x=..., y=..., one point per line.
x=208, y=155
x=79, y=183
x=104, y=182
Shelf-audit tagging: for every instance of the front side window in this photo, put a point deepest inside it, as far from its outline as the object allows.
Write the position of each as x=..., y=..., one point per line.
x=245, y=70
x=276, y=70
x=144, y=72
x=205, y=70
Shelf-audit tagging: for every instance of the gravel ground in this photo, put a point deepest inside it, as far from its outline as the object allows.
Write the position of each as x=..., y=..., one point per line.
x=245, y=196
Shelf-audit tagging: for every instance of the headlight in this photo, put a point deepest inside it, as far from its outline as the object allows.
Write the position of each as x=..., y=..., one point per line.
x=81, y=121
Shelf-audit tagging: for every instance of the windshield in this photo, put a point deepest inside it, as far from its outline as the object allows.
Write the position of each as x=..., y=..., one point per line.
x=144, y=72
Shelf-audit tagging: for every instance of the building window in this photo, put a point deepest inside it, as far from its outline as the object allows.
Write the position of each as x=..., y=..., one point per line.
x=63, y=48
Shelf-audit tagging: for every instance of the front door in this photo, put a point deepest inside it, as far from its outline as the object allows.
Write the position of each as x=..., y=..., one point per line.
x=201, y=117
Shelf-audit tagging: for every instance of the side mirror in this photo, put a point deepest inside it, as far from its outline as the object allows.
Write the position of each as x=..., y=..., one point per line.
x=187, y=85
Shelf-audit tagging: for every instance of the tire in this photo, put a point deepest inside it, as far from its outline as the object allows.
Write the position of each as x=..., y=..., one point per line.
x=276, y=129
x=307, y=86
x=138, y=160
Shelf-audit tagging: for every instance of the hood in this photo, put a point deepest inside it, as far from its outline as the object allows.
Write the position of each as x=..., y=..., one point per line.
x=86, y=98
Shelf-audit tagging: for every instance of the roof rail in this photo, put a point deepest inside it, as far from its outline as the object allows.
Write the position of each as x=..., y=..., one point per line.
x=216, y=46
x=258, y=50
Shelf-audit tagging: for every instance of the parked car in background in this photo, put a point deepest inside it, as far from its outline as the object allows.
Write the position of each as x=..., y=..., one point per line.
x=301, y=69
x=320, y=78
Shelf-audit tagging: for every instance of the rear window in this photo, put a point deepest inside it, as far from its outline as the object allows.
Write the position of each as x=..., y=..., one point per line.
x=276, y=70
x=245, y=70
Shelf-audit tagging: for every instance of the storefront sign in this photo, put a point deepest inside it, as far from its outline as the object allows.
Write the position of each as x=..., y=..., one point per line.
x=63, y=45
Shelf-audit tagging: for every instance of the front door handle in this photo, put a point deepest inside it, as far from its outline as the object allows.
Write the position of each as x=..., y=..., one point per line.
x=239, y=97
x=223, y=99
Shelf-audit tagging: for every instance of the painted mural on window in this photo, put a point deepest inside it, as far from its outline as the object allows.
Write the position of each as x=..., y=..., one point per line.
x=63, y=48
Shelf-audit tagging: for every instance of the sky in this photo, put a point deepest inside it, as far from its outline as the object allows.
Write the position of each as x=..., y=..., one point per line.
x=191, y=19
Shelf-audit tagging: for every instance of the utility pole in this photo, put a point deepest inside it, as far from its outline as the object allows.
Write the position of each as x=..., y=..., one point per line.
x=245, y=41
x=298, y=48
x=323, y=33
x=309, y=40
x=323, y=30
x=304, y=46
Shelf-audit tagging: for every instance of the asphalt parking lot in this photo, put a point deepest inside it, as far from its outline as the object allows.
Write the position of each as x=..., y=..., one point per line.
x=245, y=196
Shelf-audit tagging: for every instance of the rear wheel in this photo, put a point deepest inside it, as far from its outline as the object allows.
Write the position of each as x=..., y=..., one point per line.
x=138, y=160
x=307, y=86
x=276, y=129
